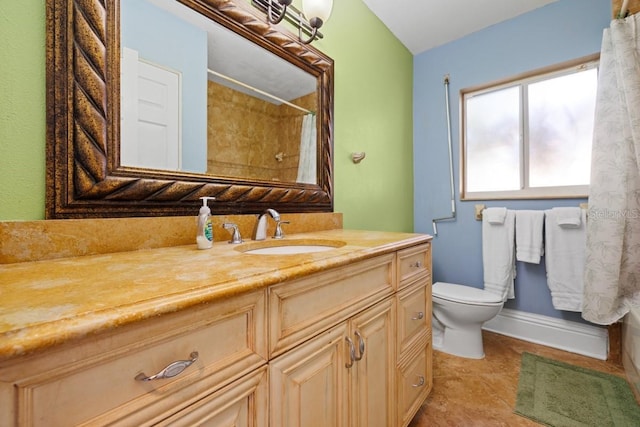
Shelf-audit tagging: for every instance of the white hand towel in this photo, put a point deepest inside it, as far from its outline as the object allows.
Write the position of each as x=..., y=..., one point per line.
x=565, y=252
x=529, y=246
x=495, y=215
x=498, y=257
x=568, y=217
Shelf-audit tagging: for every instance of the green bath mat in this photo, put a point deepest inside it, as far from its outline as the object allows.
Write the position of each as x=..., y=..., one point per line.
x=562, y=395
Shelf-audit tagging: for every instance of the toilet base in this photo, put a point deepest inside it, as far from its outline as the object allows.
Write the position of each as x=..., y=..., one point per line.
x=461, y=311
x=461, y=342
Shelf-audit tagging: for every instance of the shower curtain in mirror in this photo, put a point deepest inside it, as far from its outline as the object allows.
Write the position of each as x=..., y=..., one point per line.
x=612, y=273
x=307, y=162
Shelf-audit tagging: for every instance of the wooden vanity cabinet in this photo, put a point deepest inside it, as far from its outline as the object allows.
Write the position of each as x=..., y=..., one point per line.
x=93, y=381
x=317, y=382
x=414, y=369
x=349, y=346
x=322, y=377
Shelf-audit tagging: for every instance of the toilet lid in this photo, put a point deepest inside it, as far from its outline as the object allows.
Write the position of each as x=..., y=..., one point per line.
x=460, y=293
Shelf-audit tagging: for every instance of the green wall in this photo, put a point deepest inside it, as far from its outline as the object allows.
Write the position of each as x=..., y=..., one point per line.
x=22, y=110
x=373, y=101
x=373, y=113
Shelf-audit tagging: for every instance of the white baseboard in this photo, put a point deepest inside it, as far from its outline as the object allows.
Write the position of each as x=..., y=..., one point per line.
x=565, y=335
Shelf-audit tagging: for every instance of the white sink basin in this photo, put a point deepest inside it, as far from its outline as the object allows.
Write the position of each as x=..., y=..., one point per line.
x=289, y=247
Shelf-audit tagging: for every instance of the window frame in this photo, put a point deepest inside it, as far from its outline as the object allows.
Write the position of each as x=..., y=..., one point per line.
x=541, y=74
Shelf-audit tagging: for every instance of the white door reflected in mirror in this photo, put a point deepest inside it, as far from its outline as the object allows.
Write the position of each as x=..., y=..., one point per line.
x=150, y=125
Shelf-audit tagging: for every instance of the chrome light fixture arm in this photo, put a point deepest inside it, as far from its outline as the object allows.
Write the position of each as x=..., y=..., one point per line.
x=314, y=23
x=279, y=10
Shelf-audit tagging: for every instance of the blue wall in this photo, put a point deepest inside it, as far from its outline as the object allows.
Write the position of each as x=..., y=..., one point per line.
x=162, y=38
x=555, y=33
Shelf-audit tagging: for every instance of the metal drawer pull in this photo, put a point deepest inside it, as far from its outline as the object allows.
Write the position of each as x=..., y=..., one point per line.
x=420, y=382
x=361, y=345
x=352, y=352
x=416, y=264
x=419, y=316
x=171, y=370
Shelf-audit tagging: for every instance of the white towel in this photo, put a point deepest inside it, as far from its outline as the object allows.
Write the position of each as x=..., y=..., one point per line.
x=498, y=257
x=495, y=215
x=568, y=217
x=565, y=252
x=529, y=246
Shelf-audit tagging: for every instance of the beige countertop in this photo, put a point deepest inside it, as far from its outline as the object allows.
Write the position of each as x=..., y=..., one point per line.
x=46, y=303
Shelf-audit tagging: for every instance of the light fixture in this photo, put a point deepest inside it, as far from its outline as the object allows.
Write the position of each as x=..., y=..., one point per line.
x=313, y=15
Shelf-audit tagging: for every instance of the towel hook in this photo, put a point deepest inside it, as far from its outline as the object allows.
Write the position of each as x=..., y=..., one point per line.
x=358, y=156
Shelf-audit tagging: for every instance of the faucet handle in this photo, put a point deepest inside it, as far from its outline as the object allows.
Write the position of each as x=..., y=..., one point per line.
x=235, y=236
x=279, y=234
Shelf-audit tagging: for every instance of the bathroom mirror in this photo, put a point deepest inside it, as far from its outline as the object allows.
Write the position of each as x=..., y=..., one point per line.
x=89, y=168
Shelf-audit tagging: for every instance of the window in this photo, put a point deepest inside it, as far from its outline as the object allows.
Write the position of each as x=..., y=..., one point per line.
x=530, y=137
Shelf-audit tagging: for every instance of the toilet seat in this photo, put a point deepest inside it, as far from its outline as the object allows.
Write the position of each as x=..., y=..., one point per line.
x=464, y=294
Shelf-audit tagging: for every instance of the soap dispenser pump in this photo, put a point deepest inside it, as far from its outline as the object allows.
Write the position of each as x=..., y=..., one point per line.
x=204, y=236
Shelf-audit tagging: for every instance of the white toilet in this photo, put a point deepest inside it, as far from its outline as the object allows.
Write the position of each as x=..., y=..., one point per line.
x=459, y=312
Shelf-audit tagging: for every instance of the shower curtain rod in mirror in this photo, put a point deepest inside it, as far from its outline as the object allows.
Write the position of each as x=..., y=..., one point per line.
x=261, y=92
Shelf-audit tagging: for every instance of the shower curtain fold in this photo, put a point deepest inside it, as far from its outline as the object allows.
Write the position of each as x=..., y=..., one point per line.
x=308, y=156
x=612, y=272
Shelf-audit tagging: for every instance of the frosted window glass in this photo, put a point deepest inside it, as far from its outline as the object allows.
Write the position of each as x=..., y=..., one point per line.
x=561, y=116
x=493, y=141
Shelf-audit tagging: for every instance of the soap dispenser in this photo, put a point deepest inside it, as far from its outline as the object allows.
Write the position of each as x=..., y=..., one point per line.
x=204, y=236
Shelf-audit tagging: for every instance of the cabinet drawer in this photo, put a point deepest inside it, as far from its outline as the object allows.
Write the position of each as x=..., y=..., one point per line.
x=303, y=308
x=94, y=382
x=414, y=313
x=413, y=262
x=243, y=403
x=415, y=380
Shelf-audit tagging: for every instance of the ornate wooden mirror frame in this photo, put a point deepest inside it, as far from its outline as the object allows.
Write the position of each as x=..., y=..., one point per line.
x=84, y=176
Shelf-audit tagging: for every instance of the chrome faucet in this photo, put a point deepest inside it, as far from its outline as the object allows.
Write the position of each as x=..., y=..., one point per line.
x=260, y=232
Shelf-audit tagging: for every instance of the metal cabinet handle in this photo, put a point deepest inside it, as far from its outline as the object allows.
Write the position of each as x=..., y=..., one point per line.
x=361, y=345
x=418, y=316
x=352, y=353
x=420, y=382
x=416, y=264
x=170, y=370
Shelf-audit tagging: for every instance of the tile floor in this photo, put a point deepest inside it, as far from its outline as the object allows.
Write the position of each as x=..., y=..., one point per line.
x=478, y=393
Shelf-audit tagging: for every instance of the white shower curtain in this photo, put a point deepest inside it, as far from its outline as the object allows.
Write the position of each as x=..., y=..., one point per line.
x=612, y=273
x=307, y=162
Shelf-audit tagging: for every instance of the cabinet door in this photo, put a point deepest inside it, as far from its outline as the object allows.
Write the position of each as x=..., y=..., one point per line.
x=372, y=377
x=308, y=384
